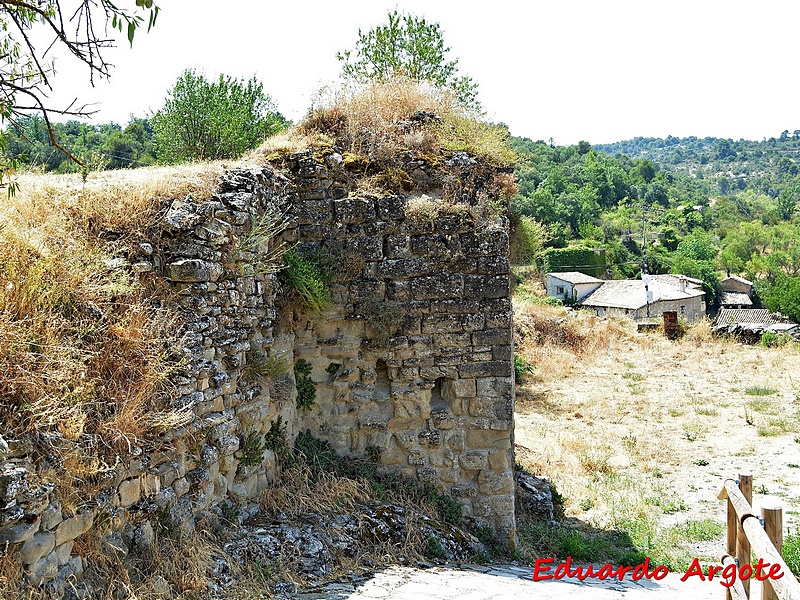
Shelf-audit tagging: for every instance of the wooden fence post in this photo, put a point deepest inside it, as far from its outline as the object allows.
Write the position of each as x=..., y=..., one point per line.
x=733, y=526
x=773, y=525
x=742, y=543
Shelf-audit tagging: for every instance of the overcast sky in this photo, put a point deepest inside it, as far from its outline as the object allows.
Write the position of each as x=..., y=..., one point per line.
x=595, y=70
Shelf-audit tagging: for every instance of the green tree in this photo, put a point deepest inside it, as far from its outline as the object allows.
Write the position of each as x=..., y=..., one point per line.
x=29, y=29
x=783, y=296
x=207, y=120
x=411, y=46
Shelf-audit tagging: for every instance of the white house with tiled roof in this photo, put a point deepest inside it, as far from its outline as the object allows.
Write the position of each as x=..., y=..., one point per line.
x=629, y=298
x=571, y=286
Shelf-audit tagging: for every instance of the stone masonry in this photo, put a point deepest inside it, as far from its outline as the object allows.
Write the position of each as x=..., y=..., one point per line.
x=413, y=358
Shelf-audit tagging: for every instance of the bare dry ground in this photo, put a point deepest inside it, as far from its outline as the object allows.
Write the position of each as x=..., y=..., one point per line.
x=638, y=432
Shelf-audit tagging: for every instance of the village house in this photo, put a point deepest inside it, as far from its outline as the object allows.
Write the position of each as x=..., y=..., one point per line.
x=750, y=323
x=737, y=292
x=571, y=286
x=629, y=298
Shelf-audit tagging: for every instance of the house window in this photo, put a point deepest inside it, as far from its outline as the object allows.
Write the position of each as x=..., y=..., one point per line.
x=683, y=310
x=559, y=290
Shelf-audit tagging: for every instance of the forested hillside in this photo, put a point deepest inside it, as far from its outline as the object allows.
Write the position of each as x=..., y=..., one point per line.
x=703, y=208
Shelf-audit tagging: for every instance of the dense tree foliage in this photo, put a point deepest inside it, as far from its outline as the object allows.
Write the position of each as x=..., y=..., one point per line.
x=686, y=206
x=206, y=120
x=107, y=146
x=411, y=46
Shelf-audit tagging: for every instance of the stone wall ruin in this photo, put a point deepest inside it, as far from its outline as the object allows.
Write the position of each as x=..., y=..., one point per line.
x=414, y=357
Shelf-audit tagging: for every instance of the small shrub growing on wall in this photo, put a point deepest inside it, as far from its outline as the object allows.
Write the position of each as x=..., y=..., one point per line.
x=305, y=276
x=306, y=388
x=252, y=450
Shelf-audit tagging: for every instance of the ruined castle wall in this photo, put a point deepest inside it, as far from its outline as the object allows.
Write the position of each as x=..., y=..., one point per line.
x=413, y=358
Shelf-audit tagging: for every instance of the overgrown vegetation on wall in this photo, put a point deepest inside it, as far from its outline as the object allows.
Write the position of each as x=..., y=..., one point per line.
x=84, y=348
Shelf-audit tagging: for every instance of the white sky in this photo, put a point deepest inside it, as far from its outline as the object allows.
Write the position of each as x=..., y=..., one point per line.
x=595, y=70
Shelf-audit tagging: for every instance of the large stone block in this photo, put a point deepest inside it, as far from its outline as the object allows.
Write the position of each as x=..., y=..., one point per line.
x=474, y=460
x=442, y=324
x=490, y=243
x=390, y=208
x=404, y=268
x=397, y=246
x=436, y=247
x=491, y=337
x=495, y=483
x=490, y=368
x=443, y=285
x=493, y=265
x=38, y=546
x=459, y=388
x=482, y=406
x=495, y=387
x=193, y=270
x=354, y=210
x=368, y=248
x=460, y=306
x=487, y=286
x=71, y=528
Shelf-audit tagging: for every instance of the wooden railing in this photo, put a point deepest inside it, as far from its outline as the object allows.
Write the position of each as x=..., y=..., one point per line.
x=746, y=534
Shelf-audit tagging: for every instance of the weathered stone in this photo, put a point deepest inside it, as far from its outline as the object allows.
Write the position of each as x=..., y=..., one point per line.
x=71, y=528
x=19, y=532
x=493, y=265
x=494, y=483
x=492, y=368
x=51, y=515
x=129, y=492
x=44, y=569
x=181, y=486
x=491, y=337
x=444, y=285
x=404, y=267
x=491, y=243
x=495, y=387
x=192, y=270
x=397, y=246
x=38, y=546
x=499, y=460
x=354, y=210
x=12, y=482
x=182, y=215
x=390, y=208
x=313, y=212
x=64, y=553
x=474, y=460
x=487, y=286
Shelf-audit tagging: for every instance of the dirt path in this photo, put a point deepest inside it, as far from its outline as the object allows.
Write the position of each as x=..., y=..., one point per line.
x=501, y=582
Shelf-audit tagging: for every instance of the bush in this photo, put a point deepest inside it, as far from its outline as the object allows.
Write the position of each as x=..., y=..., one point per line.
x=305, y=276
x=207, y=120
x=306, y=388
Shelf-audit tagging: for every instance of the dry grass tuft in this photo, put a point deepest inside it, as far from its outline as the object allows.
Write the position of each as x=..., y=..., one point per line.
x=302, y=490
x=700, y=333
x=378, y=122
x=550, y=337
x=86, y=346
x=11, y=575
x=120, y=202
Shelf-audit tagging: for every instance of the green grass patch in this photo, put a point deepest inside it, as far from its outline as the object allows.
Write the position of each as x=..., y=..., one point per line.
x=791, y=552
x=760, y=391
x=633, y=376
x=763, y=405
